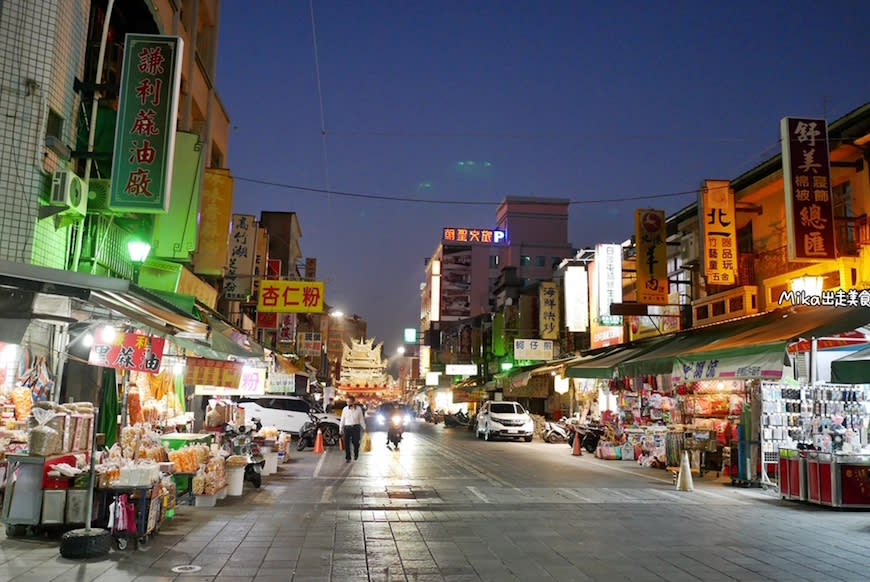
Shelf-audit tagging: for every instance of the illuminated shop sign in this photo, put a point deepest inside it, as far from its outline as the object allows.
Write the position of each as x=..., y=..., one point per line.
x=484, y=236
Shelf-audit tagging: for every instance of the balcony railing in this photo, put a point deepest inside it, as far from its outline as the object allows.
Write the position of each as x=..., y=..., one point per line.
x=105, y=250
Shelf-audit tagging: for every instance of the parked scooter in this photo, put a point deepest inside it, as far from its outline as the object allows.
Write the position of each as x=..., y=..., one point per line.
x=555, y=432
x=239, y=438
x=454, y=420
x=590, y=435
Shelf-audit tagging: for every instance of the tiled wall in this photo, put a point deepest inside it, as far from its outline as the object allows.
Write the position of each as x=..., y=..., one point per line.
x=42, y=47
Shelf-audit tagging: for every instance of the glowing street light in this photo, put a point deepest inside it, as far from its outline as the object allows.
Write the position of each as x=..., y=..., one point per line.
x=401, y=350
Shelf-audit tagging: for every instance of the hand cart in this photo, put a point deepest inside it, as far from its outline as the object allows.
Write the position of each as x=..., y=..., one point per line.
x=148, y=504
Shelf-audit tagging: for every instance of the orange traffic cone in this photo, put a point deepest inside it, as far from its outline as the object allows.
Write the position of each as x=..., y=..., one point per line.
x=318, y=442
x=577, y=452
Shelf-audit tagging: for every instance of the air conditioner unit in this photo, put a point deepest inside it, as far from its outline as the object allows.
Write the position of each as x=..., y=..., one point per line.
x=690, y=251
x=98, y=196
x=68, y=192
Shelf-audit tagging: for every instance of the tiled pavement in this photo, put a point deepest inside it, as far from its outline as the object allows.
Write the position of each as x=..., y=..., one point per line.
x=450, y=508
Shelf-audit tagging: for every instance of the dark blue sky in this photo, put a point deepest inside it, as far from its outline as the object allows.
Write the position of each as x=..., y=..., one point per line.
x=581, y=100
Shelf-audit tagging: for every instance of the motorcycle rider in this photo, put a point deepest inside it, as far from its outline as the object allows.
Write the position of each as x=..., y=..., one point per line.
x=389, y=410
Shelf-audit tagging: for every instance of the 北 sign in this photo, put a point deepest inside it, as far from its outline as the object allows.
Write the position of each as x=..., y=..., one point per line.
x=720, y=233
x=290, y=296
x=146, y=122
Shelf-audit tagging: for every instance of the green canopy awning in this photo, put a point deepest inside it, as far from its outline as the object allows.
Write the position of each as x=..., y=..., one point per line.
x=605, y=365
x=852, y=369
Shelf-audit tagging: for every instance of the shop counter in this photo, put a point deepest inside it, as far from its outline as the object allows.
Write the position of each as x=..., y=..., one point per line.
x=792, y=474
x=838, y=480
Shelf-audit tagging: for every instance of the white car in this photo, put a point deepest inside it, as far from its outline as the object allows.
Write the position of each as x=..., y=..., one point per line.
x=506, y=419
x=288, y=414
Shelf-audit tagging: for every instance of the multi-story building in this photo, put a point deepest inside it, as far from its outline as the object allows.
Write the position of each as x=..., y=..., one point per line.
x=56, y=152
x=341, y=330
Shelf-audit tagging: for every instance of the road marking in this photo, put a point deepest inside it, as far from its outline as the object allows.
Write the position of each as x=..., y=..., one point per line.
x=478, y=494
x=327, y=495
x=615, y=468
x=319, y=465
x=573, y=493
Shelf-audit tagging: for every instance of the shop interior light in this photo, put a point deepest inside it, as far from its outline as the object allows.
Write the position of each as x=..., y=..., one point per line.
x=108, y=334
x=138, y=251
x=505, y=366
x=8, y=355
x=808, y=285
x=88, y=340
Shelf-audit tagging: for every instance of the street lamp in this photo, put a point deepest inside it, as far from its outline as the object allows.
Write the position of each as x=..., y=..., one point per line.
x=138, y=253
x=401, y=350
x=336, y=313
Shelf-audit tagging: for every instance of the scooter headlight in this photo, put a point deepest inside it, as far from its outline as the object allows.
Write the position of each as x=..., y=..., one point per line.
x=397, y=420
x=381, y=419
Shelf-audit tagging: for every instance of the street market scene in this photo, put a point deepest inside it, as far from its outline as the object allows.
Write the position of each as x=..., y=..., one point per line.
x=613, y=376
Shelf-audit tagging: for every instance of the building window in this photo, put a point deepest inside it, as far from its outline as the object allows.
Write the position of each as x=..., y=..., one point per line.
x=525, y=261
x=555, y=262
x=54, y=125
x=844, y=220
x=540, y=261
x=217, y=157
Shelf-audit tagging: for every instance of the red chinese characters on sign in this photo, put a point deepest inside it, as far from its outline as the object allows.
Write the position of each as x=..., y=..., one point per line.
x=473, y=235
x=807, y=184
x=129, y=351
x=205, y=372
x=290, y=296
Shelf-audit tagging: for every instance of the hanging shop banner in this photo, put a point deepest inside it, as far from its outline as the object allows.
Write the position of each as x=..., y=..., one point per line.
x=548, y=316
x=146, y=121
x=719, y=232
x=210, y=257
x=608, y=257
x=461, y=369
x=576, y=299
x=533, y=349
x=308, y=344
x=662, y=319
x=252, y=383
x=468, y=394
x=806, y=175
x=286, y=327
x=764, y=365
x=240, y=267
x=267, y=320
x=310, y=268
x=600, y=335
x=290, y=296
x=129, y=351
x=260, y=251
x=205, y=372
x=281, y=383
x=651, y=234
x=273, y=269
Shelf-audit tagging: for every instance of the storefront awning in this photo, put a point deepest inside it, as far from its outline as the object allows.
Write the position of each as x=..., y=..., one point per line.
x=117, y=295
x=605, y=365
x=557, y=366
x=852, y=369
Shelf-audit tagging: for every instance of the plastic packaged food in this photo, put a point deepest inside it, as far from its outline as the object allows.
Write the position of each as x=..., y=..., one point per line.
x=43, y=440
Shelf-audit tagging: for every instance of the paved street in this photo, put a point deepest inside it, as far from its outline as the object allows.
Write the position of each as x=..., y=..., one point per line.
x=449, y=507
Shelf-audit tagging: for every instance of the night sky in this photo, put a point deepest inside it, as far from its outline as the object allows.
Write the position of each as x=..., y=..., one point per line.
x=579, y=100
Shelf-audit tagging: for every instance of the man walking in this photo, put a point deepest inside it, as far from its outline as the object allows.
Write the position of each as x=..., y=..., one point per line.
x=350, y=428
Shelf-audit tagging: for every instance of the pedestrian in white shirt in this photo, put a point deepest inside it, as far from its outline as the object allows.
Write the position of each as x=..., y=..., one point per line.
x=350, y=428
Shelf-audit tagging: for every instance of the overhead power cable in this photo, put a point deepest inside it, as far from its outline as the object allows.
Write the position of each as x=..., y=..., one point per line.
x=388, y=198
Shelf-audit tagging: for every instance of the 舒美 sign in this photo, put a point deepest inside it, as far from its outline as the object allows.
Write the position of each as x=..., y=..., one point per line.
x=129, y=351
x=290, y=296
x=806, y=175
x=533, y=349
x=485, y=236
x=145, y=131
x=461, y=369
x=719, y=232
x=651, y=236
